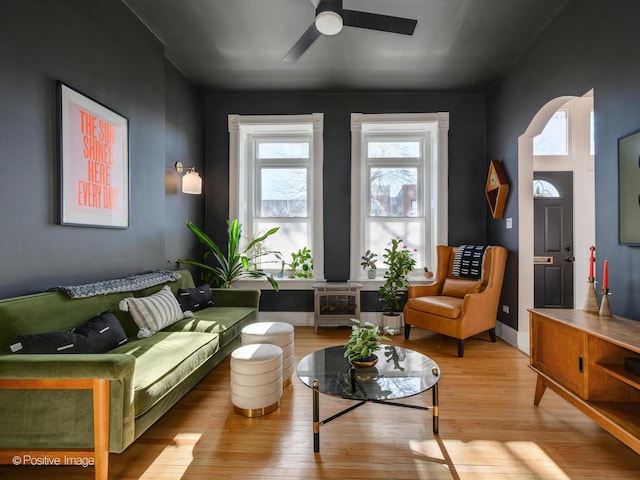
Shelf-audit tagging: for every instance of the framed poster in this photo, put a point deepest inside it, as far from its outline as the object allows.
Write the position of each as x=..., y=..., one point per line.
x=629, y=189
x=94, y=162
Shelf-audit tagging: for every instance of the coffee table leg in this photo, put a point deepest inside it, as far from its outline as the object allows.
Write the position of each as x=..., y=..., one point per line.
x=435, y=408
x=316, y=416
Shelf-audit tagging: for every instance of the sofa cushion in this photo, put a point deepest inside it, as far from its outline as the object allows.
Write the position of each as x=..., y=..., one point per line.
x=195, y=299
x=449, y=307
x=459, y=287
x=227, y=321
x=98, y=335
x=154, y=312
x=163, y=361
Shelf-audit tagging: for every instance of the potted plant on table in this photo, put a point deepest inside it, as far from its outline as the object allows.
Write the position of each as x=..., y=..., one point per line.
x=365, y=339
x=400, y=262
x=368, y=263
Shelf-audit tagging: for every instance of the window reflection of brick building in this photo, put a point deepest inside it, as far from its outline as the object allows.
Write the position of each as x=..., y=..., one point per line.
x=402, y=205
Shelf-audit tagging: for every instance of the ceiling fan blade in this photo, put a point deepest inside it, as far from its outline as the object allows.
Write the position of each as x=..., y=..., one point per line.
x=384, y=23
x=302, y=44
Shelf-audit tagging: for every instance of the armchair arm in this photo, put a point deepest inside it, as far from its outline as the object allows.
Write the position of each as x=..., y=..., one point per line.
x=424, y=290
x=107, y=366
x=479, y=312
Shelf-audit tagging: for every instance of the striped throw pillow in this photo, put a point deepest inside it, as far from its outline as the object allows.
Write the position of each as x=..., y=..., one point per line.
x=154, y=312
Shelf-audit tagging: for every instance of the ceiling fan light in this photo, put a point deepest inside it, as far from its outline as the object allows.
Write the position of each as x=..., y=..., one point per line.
x=328, y=22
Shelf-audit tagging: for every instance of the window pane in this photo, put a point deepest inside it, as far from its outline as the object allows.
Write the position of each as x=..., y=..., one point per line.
x=542, y=188
x=407, y=149
x=380, y=233
x=283, y=150
x=283, y=192
x=291, y=237
x=393, y=192
x=553, y=139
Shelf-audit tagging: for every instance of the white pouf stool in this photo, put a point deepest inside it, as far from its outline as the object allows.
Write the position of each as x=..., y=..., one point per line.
x=256, y=379
x=274, y=333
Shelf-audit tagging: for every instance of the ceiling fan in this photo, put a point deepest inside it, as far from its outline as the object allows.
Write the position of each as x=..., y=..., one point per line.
x=331, y=17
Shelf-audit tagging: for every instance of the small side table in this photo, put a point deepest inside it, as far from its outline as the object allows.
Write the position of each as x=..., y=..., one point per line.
x=336, y=303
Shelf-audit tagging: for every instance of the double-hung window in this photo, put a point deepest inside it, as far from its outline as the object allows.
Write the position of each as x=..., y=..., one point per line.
x=399, y=178
x=275, y=181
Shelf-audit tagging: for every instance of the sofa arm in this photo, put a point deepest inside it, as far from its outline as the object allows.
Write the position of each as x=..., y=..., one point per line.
x=108, y=366
x=236, y=297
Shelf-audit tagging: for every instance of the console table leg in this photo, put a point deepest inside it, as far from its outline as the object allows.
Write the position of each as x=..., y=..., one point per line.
x=540, y=388
x=316, y=416
x=435, y=409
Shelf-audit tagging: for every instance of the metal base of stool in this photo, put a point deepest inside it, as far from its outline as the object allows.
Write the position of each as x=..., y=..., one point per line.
x=257, y=412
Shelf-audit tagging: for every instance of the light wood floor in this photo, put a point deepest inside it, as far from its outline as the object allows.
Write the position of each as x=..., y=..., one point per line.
x=489, y=429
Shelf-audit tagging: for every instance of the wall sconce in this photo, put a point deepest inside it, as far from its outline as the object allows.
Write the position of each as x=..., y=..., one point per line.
x=191, y=182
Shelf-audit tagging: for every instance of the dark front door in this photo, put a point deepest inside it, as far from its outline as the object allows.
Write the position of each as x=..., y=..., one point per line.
x=553, y=240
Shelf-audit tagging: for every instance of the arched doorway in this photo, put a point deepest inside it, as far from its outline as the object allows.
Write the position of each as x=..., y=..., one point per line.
x=583, y=224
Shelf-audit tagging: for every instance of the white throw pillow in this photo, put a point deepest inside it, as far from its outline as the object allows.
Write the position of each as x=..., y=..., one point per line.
x=154, y=312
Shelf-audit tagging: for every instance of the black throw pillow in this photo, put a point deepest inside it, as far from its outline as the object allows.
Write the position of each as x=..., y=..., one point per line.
x=195, y=299
x=98, y=335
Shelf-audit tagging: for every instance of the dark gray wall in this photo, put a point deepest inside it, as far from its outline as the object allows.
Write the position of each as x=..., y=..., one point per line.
x=101, y=49
x=467, y=167
x=184, y=142
x=591, y=44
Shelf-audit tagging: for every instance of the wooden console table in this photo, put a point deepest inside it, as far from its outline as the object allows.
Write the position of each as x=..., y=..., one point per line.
x=581, y=356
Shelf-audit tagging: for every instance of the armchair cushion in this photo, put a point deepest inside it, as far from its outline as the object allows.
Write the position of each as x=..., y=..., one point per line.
x=444, y=306
x=459, y=287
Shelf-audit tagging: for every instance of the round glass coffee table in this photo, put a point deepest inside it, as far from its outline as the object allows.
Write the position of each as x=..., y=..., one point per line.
x=399, y=373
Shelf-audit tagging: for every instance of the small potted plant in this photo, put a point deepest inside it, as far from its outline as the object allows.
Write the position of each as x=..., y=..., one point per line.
x=368, y=263
x=302, y=263
x=365, y=339
x=400, y=262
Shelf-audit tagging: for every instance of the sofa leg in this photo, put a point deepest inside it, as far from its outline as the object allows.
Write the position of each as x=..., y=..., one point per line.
x=461, y=348
x=492, y=334
x=407, y=330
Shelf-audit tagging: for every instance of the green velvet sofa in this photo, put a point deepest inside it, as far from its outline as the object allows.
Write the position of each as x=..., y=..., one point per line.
x=147, y=376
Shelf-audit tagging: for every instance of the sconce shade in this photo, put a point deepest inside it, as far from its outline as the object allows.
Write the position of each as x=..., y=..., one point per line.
x=192, y=183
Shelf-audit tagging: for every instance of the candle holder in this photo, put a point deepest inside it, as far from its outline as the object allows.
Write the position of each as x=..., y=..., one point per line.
x=605, y=309
x=591, y=300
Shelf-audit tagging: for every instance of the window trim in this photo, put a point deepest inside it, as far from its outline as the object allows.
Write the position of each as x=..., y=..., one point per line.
x=437, y=126
x=241, y=127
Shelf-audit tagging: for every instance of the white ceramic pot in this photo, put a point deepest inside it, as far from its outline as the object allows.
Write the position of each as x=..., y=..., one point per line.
x=393, y=322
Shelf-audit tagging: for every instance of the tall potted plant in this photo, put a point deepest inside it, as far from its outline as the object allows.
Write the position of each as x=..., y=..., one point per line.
x=239, y=262
x=400, y=262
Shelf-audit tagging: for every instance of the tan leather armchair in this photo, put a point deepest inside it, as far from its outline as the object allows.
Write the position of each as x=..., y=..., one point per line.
x=456, y=306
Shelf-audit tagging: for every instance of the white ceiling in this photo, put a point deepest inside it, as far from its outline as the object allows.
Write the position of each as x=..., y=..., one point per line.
x=238, y=45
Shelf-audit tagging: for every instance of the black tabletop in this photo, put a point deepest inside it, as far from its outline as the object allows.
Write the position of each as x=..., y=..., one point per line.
x=399, y=373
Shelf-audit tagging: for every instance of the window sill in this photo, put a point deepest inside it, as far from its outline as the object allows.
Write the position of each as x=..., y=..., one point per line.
x=368, y=285
x=283, y=283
